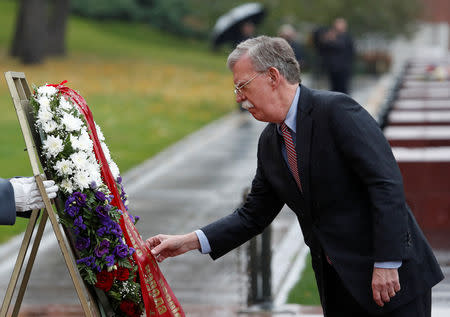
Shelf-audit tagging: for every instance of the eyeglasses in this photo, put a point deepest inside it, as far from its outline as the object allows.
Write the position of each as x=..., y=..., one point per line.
x=238, y=88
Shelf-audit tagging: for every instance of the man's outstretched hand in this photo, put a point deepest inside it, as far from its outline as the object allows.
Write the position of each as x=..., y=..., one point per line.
x=165, y=246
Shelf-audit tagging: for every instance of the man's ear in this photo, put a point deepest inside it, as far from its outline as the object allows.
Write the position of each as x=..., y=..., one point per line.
x=274, y=75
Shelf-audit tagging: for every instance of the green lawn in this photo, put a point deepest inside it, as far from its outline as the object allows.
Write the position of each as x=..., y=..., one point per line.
x=146, y=89
x=305, y=291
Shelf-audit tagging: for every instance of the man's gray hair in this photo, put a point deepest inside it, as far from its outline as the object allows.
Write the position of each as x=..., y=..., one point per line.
x=266, y=52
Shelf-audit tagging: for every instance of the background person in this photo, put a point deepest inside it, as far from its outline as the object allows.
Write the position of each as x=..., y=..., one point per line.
x=338, y=53
x=325, y=157
x=289, y=33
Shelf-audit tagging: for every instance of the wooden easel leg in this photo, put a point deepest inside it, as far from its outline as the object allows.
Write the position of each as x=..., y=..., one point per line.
x=29, y=267
x=19, y=262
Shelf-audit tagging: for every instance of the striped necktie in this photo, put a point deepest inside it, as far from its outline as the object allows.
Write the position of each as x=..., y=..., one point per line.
x=291, y=153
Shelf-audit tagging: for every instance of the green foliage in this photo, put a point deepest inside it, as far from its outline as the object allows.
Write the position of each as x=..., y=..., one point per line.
x=169, y=15
x=106, y=9
x=166, y=15
x=305, y=291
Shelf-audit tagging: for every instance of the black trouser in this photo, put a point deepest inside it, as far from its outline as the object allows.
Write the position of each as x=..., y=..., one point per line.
x=340, y=303
x=340, y=81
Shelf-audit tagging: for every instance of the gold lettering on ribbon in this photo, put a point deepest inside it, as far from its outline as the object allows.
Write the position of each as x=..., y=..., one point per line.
x=132, y=233
x=173, y=308
x=152, y=288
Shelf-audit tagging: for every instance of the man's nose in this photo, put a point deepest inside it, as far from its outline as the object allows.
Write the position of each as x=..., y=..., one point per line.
x=240, y=97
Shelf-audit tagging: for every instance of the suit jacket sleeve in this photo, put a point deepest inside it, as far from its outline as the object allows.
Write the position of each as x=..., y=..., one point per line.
x=367, y=151
x=260, y=208
x=7, y=203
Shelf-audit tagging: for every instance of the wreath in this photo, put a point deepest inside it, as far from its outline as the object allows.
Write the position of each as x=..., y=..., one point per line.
x=111, y=255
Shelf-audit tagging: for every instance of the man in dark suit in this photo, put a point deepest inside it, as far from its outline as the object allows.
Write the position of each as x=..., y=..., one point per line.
x=325, y=157
x=338, y=53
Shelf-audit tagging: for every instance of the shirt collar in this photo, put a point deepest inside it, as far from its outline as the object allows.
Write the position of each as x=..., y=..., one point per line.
x=291, y=117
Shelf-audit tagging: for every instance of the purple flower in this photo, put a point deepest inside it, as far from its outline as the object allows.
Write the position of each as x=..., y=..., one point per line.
x=72, y=211
x=100, y=196
x=116, y=230
x=119, y=179
x=74, y=202
x=102, y=231
x=89, y=261
x=80, y=198
x=102, y=212
x=121, y=251
x=82, y=243
x=131, y=250
x=102, y=249
x=76, y=230
x=70, y=201
x=70, y=207
x=109, y=260
x=78, y=222
x=93, y=185
x=134, y=219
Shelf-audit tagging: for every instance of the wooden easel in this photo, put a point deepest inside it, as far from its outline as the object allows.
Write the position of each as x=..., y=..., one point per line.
x=21, y=94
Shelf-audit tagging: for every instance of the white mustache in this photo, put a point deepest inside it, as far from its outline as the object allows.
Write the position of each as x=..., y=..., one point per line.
x=247, y=105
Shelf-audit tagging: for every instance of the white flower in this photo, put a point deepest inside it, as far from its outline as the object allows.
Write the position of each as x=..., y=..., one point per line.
x=53, y=145
x=100, y=135
x=82, y=179
x=83, y=142
x=66, y=185
x=49, y=126
x=65, y=104
x=114, y=169
x=94, y=174
x=80, y=160
x=64, y=167
x=44, y=115
x=106, y=152
x=71, y=123
x=44, y=103
x=47, y=90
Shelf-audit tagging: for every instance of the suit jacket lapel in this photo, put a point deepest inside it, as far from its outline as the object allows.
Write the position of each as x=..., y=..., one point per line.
x=303, y=145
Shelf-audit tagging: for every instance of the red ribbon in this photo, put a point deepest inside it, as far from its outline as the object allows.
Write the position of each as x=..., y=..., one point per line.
x=159, y=298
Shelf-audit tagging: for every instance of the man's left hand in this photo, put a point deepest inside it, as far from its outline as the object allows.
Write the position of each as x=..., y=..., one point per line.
x=385, y=284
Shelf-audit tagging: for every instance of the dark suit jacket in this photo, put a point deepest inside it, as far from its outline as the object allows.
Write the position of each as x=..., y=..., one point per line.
x=352, y=207
x=7, y=203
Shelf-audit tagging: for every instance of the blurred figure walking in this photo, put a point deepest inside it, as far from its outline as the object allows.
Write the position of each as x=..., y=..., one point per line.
x=337, y=51
x=289, y=33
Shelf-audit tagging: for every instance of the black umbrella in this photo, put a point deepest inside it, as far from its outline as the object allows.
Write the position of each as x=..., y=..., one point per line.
x=227, y=27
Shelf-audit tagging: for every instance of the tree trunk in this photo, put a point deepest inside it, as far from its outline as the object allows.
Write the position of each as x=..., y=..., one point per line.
x=29, y=43
x=15, y=46
x=57, y=22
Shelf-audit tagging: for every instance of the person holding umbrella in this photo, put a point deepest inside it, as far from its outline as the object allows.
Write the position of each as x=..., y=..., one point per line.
x=238, y=24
